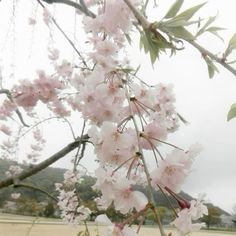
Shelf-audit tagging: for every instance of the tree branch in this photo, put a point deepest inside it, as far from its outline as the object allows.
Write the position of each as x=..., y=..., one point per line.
x=140, y=17
x=205, y=52
x=146, y=25
x=36, y=168
x=80, y=7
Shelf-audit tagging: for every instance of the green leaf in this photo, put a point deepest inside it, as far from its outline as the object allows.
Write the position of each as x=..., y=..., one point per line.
x=127, y=70
x=181, y=32
x=232, y=112
x=214, y=30
x=182, y=119
x=233, y=40
x=209, y=21
x=128, y=39
x=231, y=45
x=188, y=14
x=137, y=69
x=231, y=62
x=174, y=9
x=211, y=68
x=81, y=233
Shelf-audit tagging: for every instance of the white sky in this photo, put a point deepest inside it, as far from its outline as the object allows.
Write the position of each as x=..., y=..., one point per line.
x=203, y=102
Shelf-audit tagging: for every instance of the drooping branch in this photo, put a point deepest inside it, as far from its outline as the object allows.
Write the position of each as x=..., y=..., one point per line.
x=44, y=164
x=25, y=185
x=81, y=7
x=64, y=34
x=7, y=92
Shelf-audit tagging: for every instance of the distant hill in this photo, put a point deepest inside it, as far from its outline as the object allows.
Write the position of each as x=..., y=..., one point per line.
x=48, y=177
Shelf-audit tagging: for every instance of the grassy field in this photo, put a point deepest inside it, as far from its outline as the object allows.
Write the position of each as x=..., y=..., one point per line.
x=11, y=225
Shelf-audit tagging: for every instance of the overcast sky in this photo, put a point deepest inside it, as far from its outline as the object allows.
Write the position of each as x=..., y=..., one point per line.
x=203, y=102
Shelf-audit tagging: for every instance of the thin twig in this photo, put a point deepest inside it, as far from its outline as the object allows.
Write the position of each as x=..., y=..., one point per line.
x=81, y=7
x=205, y=52
x=146, y=171
x=65, y=35
x=8, y=93
x=24, y=185
x=50, y=118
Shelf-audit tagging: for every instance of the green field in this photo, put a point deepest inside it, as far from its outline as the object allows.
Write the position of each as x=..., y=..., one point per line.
x=13, y=225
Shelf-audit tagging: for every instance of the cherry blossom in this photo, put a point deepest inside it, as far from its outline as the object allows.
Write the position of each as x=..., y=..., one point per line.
x=184, y=223
x=173, y=170
x=116, y=188
x=114, y=229
x=197, y=208
x=14, y=170
x=5, y=129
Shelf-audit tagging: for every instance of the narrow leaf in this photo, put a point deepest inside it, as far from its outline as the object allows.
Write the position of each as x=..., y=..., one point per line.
x=181, y=32
x=137, y=69
x=128, y=39
x=81, y=233
x=209, y=21
x=178, y=22
x=231, y=45
x=211, y=68
x=232, y=112
x=231, y=62
x=174, y=9
x=214, y=30
x=187, y=14
x=233, y=40
x=182, y=119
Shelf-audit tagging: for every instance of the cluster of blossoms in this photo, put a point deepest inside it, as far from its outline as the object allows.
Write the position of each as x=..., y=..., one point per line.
x=125, y=115
x=116, y=188
x=14, y=170
x=69, y=204
x=36, y=147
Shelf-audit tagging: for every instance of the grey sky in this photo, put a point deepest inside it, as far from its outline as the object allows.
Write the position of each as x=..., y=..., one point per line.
x=203, y=102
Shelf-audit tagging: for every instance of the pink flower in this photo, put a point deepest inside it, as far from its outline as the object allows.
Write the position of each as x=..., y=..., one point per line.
x=25, y=94
x=105, y=48
x=47, y=87
x=6, y=109
x=65, y=69
x=5, y=129
x=53, y=54
x=115, y=187
x=112, y=146
x=172, y=171
x=127, y=199
x=153, y=132
x=184, y=223
x=47, y=18
x=114, y=229
x=37, y=134
x=185, y=217
x=197, y=208
x=58, y=108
